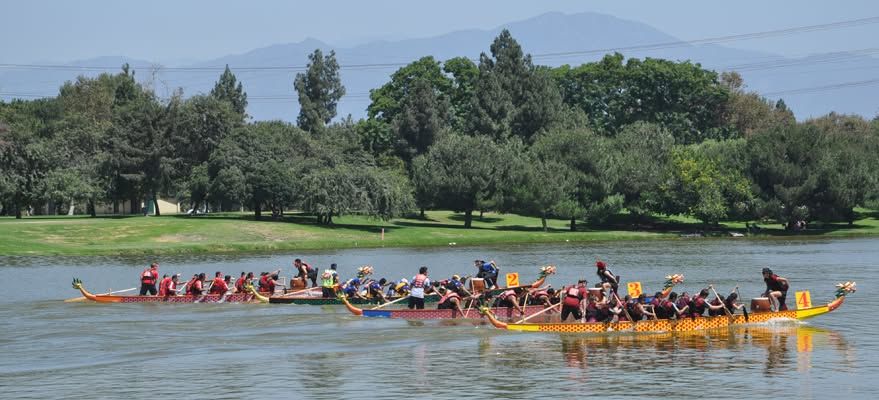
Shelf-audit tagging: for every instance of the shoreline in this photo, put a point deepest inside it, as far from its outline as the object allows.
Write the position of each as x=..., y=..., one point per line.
x=239, y=233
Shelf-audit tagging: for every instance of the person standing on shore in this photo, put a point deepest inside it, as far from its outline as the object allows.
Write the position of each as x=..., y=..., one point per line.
x=416, y=294
x=148, y=279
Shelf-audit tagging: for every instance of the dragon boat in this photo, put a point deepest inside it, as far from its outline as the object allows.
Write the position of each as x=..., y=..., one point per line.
x=505, y=313
x=678, y=325
x=207, y=298
x=307, y=296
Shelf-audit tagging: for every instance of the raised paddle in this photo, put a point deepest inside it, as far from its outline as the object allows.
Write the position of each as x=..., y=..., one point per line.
x=82, y=298
x=728, y=314
x=390, y=302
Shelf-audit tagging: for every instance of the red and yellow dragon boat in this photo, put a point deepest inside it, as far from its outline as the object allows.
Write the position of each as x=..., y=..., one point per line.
x=207, y=298
x=677, y=325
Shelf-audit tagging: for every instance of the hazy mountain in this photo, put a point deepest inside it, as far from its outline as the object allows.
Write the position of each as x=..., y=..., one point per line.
x=272, y=97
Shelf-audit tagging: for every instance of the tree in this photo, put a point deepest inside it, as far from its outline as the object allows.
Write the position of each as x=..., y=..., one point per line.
x=681, y=97
x=749, y=112
x=543, y=188
x=320, y=89
x=511, y=96
x=422, y=120
x=464, y=75
x=230, y=90
x=642, y=153
x=387, y=102
x=464, y=171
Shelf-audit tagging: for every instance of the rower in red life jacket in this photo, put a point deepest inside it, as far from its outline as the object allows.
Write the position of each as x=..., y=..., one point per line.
x=668, y=309
x=148, y=279
x=700, y=304
x=776, y=290
x=238, y=287
x=638, y=308
x=267, y=281
x=571, y=298
x=543, y=297
x=168, y=286
x=220, y=285
x=454, y=295
x=420, y=284
x=242, y=283
x=510, y=299
x=196, y=288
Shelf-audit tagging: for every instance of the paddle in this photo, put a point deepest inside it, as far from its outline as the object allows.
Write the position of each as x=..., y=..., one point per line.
x=390, y=302
x=557, y=305
x=728, y=314
x=744, y=307
x=297, y=292
x=82, y=298
x=625, y=309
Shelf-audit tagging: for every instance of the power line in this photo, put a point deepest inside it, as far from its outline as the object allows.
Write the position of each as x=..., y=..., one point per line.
x=816, y=89
x=654, y=46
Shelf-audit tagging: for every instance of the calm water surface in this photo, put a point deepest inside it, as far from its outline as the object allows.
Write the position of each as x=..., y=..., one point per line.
x=52, y=349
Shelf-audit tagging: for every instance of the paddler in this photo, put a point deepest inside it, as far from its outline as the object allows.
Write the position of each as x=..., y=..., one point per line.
x=776, y=289
x=572, y=297
x=543, y=296
x=454, y=295
x=328, y=281
x=268, y=281
x=196, y=288
x=510, y=298
x=420, y=283
x=242, y=283
x=375, y=290
x=608, y=279
x=400, y=289
x=148, y=279
x=638, y=309
x=699, y=304
x=488, y=271
x=668, y=309
x=351, y=288
x=220, y=285
x=168, y=286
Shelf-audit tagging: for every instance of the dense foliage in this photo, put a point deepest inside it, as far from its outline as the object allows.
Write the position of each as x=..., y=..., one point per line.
x=580, y=142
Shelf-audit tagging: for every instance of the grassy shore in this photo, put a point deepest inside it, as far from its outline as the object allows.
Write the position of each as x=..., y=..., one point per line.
x=239, y=232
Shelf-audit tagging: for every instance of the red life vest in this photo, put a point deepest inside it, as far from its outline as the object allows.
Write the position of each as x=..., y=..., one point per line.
x=507, y=294
x=448, y=296
x=195, y=288
x=239, y=285
x=219, y=286
x=419, y=280
x=163, y=286
x=149, y=276
x=572, y=297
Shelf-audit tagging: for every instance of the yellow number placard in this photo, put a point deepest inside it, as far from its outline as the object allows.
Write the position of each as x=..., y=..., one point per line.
x=804, y=300
x=634, y=289
x=512, y=279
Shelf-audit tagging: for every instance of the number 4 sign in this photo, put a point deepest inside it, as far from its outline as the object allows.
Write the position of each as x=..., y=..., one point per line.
x=804, y=300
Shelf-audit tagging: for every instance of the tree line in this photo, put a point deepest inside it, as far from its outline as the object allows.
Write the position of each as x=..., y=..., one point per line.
x=583, y=143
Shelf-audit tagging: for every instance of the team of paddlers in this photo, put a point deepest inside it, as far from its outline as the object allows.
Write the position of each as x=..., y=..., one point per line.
x=600, y=303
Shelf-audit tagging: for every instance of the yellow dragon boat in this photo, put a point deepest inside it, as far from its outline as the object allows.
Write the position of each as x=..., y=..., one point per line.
x=677, y=325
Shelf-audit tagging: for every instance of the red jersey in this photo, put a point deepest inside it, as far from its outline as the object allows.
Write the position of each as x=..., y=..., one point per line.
x=167, y=287
x=220, y=286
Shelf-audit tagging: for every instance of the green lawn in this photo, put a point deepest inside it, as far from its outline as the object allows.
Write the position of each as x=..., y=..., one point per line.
x=234, y=232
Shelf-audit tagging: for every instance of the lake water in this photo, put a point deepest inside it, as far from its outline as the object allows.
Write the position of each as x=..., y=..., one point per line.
x=52, y=349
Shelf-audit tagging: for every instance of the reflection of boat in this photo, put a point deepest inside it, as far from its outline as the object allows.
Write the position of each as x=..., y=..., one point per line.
x=678, y=325
x=207, y=298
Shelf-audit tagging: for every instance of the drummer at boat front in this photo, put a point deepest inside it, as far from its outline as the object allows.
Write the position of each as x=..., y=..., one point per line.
x=776, y=289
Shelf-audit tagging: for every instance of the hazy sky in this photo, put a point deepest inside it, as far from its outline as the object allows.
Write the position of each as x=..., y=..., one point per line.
x=175, y=31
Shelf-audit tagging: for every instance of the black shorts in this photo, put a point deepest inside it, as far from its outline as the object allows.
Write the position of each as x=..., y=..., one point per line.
x=148, y=288
x=416, y=303
x=328, y=292
x=573, y=310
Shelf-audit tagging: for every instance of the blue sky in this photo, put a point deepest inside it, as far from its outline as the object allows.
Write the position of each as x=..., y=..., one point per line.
x=177, y=32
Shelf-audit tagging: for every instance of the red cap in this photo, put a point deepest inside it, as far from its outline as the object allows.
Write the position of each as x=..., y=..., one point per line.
x=600, y=264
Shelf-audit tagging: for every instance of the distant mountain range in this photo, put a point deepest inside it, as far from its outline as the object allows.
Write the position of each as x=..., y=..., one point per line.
x=553, y=39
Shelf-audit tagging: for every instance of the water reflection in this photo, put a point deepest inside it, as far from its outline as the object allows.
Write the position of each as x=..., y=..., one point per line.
x=784, y=345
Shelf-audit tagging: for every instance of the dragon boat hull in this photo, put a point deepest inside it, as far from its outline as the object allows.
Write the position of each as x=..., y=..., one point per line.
x=506, y=313
x=208, y=298
x=321, y=301
x=666, y=325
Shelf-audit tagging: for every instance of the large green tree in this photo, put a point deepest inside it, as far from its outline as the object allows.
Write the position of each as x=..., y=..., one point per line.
x=320, y=88
x=229, y=89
